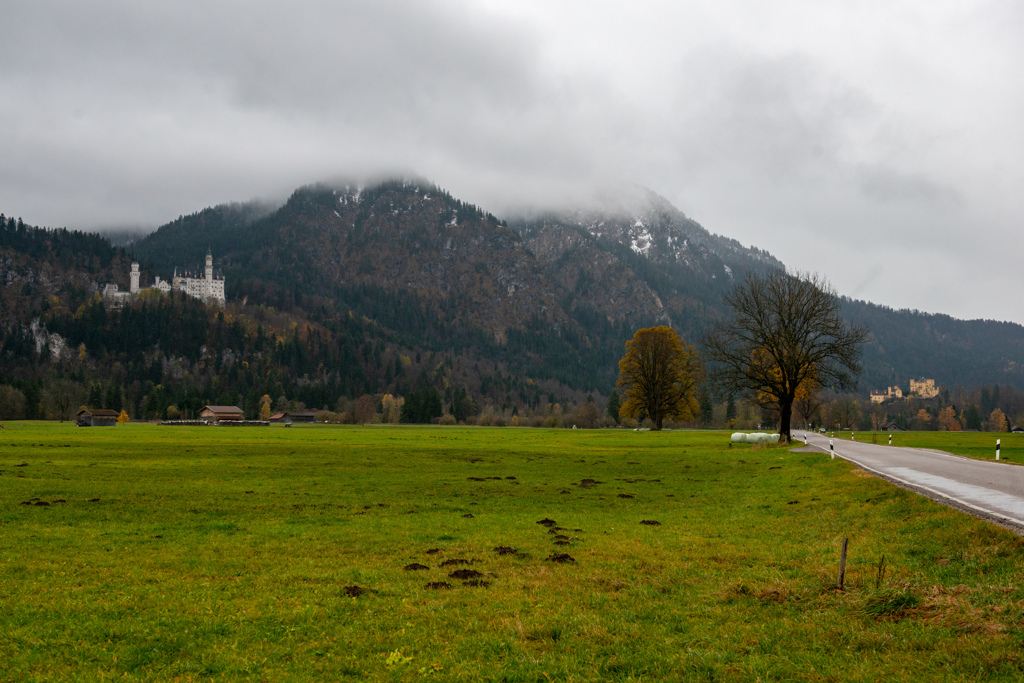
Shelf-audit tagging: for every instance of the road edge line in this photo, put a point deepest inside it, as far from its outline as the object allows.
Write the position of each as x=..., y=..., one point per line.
x=988, y=514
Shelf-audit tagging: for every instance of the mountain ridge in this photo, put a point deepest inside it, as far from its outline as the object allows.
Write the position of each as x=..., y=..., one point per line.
x=391, y=287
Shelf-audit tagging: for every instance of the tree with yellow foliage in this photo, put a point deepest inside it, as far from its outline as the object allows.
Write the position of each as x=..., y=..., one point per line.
x=997, y=421
x=659, y=376
x=123, y=418
x=265, y=408
x=391, y=409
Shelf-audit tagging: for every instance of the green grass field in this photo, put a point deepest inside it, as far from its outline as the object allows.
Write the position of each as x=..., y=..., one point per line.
x=171, y=553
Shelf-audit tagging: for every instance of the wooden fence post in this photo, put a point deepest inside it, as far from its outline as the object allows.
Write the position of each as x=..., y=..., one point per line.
x=842, y=564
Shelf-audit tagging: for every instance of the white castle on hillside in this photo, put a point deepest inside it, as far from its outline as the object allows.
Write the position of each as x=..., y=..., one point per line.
x=208, y=285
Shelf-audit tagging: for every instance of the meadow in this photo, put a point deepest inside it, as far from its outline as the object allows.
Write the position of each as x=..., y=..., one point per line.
x=318, y=552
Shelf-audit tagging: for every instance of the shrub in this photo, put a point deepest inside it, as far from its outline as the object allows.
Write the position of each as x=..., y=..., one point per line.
x=12, y=403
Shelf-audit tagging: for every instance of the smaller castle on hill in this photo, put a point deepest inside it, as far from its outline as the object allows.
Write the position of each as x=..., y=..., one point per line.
x=925, y=388
x=881, y=396
x=206, y=285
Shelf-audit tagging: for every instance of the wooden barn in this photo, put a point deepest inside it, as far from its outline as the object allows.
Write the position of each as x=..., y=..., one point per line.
x=97, y=417
x=222, y=414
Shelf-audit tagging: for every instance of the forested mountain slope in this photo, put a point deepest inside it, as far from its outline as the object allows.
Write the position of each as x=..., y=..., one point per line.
x=910, y=344
x=402, y=288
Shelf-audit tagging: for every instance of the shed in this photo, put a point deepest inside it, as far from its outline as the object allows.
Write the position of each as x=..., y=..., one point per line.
x=306, y=416
x=97, y=417
x=279, y=417
x=1017, y=430
x=893, y=427
x=222, y=413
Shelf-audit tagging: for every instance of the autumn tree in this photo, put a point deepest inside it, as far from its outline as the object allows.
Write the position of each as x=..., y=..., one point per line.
x=997, y=421
x=391, y=409
x=659, y=376
x=947, y=420
x=785, y=331
x=265, y=408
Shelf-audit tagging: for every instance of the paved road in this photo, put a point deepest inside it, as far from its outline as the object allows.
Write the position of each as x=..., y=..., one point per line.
x=988, y=489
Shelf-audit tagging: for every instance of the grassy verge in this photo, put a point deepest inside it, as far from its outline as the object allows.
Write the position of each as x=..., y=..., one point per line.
x=286, y=554
x=977, y=445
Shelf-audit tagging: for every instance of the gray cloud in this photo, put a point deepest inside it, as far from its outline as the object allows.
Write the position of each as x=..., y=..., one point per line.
x=874, y=132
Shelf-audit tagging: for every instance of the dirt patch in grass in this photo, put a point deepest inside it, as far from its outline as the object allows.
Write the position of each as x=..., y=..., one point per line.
x=650, y=522
x=465, y=574
x=626, y=495
x=588, y=483
x=547, y=522
x=562, y=558
x=432, y=551
x=506, y=550
x=415, y=567
x=454, y=562
x=476, y=583
x=438, y=585
x=354, y=591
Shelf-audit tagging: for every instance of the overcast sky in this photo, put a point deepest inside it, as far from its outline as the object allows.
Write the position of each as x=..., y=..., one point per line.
x=879, y=143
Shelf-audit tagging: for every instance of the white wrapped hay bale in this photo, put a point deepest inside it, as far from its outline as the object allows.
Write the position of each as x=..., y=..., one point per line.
x=756, y=438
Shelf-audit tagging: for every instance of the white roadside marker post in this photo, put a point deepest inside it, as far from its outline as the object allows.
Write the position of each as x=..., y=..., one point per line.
x=890, y=439
x=998, y=442
x=853, y=437
x=832, y=449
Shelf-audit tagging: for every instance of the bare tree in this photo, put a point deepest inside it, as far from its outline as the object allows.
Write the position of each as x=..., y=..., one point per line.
x=63, y=396
x=808, y=403
x=786, y=331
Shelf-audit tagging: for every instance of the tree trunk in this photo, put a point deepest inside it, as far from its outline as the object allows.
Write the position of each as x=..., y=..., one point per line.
x=657, y=424
x=785, y=417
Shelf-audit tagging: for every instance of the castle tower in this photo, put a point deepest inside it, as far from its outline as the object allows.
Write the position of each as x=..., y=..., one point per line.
x=135, y=278
x=209, y=266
